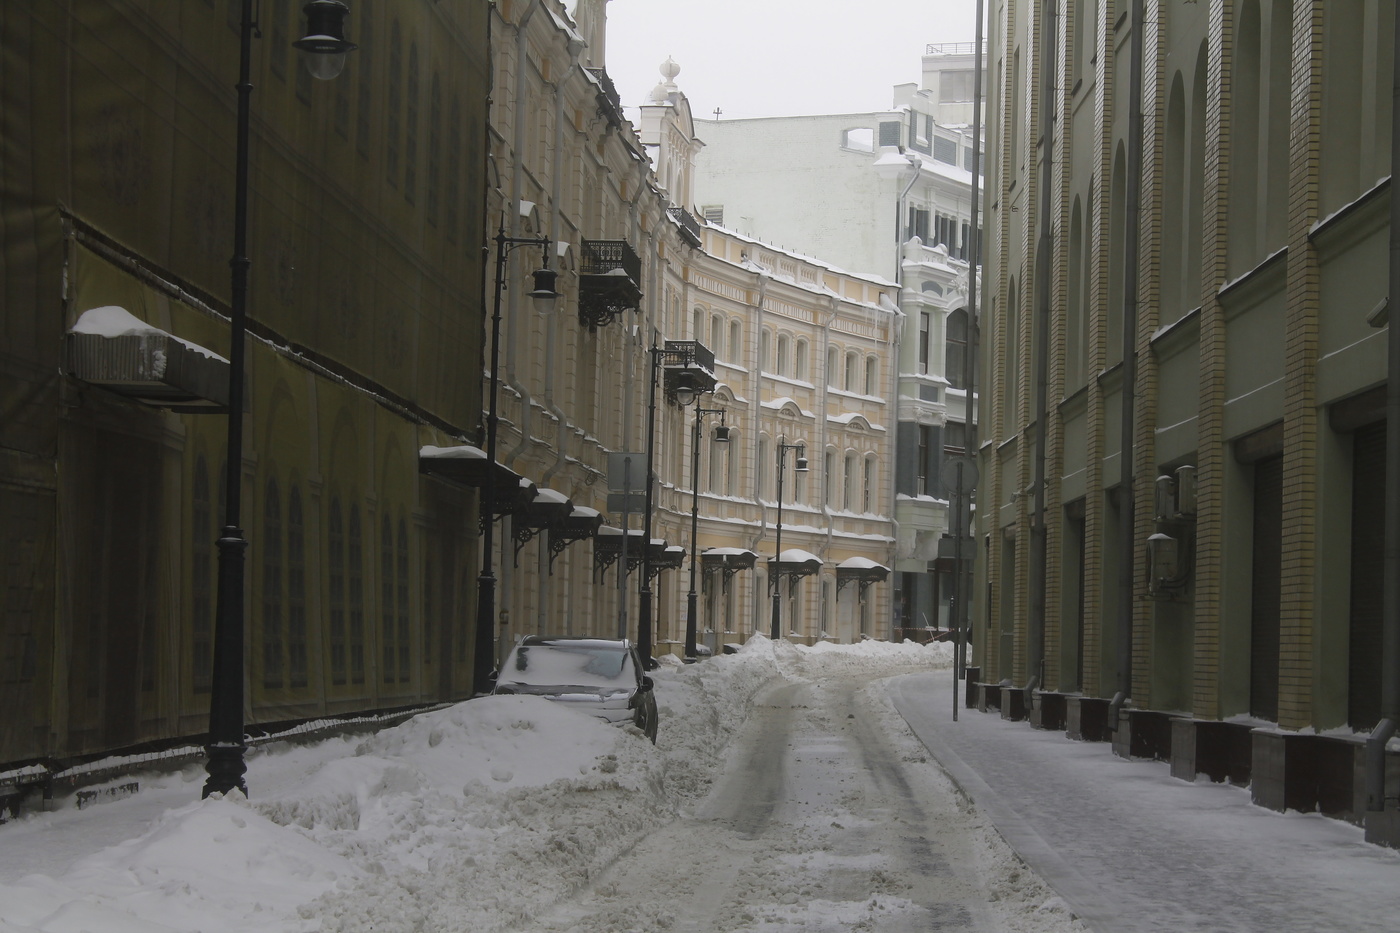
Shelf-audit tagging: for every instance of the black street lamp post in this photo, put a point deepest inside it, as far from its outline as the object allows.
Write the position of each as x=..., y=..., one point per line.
x=544, y=294
x=224, y=752
x=799, y=466
x=721, y=437
x=684, y=384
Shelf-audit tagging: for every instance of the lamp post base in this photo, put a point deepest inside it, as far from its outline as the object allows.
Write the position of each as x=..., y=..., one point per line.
x=226, y=767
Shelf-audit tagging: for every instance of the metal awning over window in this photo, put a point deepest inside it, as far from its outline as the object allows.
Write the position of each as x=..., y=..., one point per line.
x=582, y=522
x=466, y=465
x=794, y=563
x=665, y=557
x=607, y=548
x=547, y=509
x=861, y=571
x=112, y=348
x=727, y=560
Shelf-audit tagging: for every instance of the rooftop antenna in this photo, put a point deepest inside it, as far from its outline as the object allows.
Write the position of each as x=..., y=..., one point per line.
x=717, y=113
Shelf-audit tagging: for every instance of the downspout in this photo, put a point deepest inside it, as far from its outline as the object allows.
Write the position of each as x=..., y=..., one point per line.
x=823, y=432
x=896, y=333
x=556, y=228
x=963, y=580
x=517, y=185
x=1390, y=619
x=755, y=390
x=1126, y=528
x=917, y=165
x=1036, y=629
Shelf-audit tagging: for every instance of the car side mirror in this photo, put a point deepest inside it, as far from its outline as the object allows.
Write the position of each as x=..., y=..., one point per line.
x=647, y=683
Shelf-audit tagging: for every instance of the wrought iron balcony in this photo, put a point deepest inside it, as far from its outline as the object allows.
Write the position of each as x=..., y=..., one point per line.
x=690, y=227
x=609, y=101
x=609, y=281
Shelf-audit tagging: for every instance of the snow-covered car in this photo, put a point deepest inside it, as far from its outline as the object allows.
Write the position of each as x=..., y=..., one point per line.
x=599, y=676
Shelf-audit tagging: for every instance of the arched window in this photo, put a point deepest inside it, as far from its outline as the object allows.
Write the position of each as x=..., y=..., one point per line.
x=832, y=371
x=355, y=596
x=364, y=76
x=434, y=150
x=765, y=343
x=454, y=168
x=388, y=621
x=335, y=559
x=736, y=342
x=872, y=375
x=280, y=42
x=828, y=472
x=201, y=578
x=296, y=591
x=405, y=642
x=697, y=323
x=869, y=481
x=784, y=356
x=852, y=378
x=800, y=359
x=955, y=343
x=391, y=137
x=765, y=468
x=410, y=153
x=272, y=595
x=717, y=336
x=848, y=485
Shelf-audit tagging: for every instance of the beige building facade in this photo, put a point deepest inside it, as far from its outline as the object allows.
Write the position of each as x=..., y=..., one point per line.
x=801, y=356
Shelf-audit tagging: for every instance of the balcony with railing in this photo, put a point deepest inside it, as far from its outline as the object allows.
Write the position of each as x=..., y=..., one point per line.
x=609, y=101
x=610, y=276
x=690, y=227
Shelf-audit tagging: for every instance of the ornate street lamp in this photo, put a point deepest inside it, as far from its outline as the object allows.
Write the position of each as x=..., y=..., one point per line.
x=544, y=295
x=799, y=466
x=224, y=751
x=689, y=373
x=721, y=437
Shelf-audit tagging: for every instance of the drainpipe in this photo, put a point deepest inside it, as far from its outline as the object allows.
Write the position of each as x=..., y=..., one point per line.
x=755, y=390
x=517, y=192
x=917, y=165
x=1126, y=528
x=1036, y=630
x=1390, y=620
x=963, y=579
x=898, y=318
x=552, y=339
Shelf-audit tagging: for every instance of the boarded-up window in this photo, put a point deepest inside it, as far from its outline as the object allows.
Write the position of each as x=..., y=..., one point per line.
x=1367, y=574
x=1266, y=579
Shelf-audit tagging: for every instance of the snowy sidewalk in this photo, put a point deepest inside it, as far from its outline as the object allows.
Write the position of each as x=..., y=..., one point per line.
x=1131, y=848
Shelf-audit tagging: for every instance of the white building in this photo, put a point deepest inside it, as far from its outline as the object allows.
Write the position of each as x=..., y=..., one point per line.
x=885, y=193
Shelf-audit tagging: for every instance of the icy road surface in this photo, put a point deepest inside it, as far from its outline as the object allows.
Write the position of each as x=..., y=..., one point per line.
x=828, y=817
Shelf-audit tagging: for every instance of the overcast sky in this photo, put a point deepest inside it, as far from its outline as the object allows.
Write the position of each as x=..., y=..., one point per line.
x=768, y=58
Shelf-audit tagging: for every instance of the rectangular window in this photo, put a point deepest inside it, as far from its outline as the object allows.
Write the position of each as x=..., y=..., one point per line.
x=924, y=484
x=925, y=323
x=918, y=225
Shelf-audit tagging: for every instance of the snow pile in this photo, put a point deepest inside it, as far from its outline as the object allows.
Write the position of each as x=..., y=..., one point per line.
x=474, y=817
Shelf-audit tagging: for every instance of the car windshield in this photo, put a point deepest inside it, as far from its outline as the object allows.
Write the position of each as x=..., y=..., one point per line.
x=582, y=664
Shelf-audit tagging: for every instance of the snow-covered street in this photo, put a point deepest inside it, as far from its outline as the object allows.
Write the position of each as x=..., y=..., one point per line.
x=1134, y=850
x=784, y=794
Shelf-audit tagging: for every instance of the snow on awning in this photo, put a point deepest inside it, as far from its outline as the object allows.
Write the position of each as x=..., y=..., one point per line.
x=794, y=563
x=728, y=559
x=112, y=348
x=466, y=465
x=860, y=570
